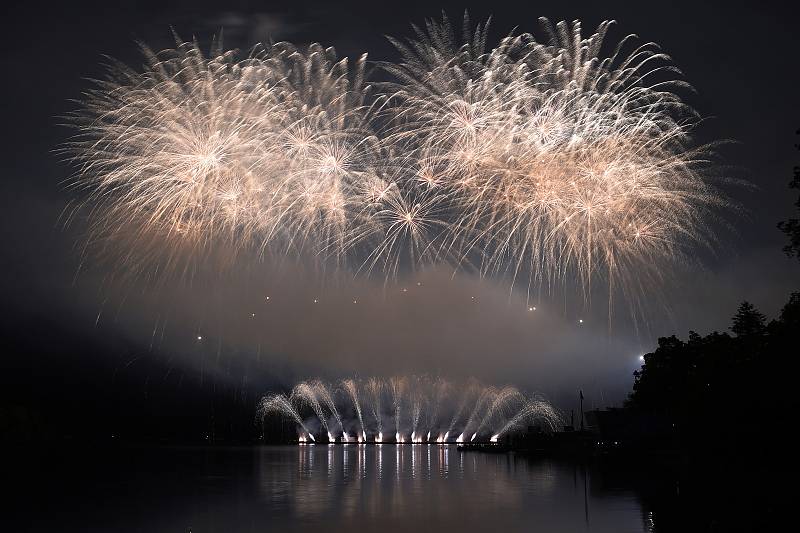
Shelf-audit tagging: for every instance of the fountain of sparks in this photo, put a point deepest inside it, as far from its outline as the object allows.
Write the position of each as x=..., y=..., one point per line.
x=419, y=409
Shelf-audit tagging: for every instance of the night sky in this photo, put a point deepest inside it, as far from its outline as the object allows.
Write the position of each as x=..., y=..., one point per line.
x=79, y=333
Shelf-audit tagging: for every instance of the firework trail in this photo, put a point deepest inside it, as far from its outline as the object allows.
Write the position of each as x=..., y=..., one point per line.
x=441, y=388
x=322, y=392
x=534, y=410
x=306, y=394
x=503, y=403
x=351, y=388
x=278, y=403
x=397, y=387
x=472, y=390
x=484, y=398
x=375, y=390
x=419, y=400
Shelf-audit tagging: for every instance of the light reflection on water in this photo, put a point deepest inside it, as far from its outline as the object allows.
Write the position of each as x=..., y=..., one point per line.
x=388, y=487
x=384, y=488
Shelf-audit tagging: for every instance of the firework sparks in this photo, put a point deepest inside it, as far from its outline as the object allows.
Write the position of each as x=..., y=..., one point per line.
x=544, y=158
x=489, y=412
x=553, y=159
x=266, y=153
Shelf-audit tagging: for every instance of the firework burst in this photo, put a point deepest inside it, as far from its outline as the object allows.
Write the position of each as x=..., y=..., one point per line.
x=265, y=153
x=552, y=159
x=541, y=158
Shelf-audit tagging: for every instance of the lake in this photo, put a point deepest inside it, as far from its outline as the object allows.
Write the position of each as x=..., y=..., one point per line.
x=322, y=488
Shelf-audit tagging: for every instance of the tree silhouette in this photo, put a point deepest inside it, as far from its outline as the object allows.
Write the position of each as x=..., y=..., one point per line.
x=790, y=314
x=719, y=389
x=791, y=227
x=729, y=400
x=748, y=322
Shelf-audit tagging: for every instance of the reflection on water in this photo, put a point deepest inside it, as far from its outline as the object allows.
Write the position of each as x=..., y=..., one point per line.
x=312, y=488
x=388, y=487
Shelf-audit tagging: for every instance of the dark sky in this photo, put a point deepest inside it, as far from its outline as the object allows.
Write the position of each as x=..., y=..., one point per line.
x=742, y=61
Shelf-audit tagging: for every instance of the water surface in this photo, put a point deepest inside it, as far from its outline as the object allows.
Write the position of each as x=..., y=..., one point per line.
x=316, y=488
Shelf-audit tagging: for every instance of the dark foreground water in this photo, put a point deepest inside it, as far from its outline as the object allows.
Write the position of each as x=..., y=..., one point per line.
x=319, y=488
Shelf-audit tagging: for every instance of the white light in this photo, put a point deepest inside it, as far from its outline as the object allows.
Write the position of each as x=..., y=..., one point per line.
x=580, y=321
x=641, y=358
x=199, y=337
